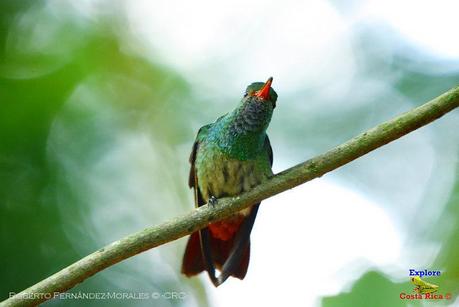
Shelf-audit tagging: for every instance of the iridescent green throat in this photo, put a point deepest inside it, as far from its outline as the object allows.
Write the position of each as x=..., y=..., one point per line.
x=241, y=134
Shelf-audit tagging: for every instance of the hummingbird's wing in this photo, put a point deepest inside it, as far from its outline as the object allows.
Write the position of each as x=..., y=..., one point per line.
x=198, y=252
x=192, y=179
x=269, y=150
x=192, y=260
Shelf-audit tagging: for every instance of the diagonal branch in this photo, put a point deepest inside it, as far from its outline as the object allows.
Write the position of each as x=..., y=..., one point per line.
x=201, y=217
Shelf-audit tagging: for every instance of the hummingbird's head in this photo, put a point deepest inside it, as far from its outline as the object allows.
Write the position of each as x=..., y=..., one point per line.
x=254, y=112
x=261, y=92
x=242, y=132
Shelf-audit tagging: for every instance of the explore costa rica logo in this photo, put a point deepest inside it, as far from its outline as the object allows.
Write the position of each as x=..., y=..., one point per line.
x=424, y=290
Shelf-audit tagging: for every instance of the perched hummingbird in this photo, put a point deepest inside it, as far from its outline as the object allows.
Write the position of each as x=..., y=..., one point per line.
x=230, y=156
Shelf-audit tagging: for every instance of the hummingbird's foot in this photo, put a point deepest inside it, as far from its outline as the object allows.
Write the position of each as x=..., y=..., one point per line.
x=213, y=201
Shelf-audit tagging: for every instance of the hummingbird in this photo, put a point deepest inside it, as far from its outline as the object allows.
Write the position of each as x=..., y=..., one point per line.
x=230, y=156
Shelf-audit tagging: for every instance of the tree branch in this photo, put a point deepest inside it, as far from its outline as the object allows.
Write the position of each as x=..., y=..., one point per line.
x=201, y=217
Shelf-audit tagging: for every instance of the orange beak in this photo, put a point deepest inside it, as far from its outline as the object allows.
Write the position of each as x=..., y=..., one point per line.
x=263, y=93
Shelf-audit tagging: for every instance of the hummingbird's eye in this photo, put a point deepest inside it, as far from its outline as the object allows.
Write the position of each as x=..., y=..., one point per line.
x=249, y=93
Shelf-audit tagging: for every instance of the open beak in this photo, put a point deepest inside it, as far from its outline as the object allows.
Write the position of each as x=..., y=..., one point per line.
x=263, y=93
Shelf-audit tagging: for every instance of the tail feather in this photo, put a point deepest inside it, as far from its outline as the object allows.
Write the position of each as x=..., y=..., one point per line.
x=193, y=262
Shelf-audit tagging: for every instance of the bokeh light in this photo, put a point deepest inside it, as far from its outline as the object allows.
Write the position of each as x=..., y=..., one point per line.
x=100, y=102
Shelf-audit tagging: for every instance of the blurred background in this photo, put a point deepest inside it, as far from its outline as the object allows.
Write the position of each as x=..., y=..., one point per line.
x=100, y=102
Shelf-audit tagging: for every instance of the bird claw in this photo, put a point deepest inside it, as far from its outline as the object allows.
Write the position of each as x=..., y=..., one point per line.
x=213, y=201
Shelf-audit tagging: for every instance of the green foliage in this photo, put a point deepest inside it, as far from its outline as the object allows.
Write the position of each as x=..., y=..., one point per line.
x=371, y=289
x=68, y=90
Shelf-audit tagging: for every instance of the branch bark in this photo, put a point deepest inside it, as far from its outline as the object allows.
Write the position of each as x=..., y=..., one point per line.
x=201, y=217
